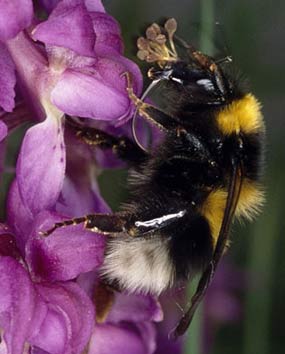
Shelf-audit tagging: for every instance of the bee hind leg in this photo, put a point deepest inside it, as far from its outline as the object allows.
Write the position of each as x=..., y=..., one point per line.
x=106, y=224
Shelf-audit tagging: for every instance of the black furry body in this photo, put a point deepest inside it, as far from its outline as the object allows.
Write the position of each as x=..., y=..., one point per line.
x=177, y=188
x=180, y=174
x=185, y=193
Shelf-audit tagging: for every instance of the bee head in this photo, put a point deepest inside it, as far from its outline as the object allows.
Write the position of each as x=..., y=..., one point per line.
x=201, y=76
x=201, y=84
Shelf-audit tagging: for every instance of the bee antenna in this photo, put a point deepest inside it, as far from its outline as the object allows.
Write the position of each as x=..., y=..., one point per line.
x=147, y=91
x=227, y=59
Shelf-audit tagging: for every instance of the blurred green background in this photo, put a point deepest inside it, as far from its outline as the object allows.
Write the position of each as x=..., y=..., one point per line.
x=253, y=33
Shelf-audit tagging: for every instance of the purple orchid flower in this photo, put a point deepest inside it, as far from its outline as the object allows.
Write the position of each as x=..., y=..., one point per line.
x=72, y=63
x=54, y=303
x=76, y=68
x=7, y=80
x=15, y=15
x=128, y=327
x=54, y=314
x=55, y=317
x=3, y=130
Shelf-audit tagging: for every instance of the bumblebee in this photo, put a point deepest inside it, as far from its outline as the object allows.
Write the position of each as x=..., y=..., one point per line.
x=185, y=192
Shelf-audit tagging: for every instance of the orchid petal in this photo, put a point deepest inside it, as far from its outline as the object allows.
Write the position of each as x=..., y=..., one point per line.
x=3, y=134
x=3, y=130
x=7, y=80
x=69, y=26
x=61, y=58
x=111, y=69
x=135, y=308
x=88, y=96
x=32, y=70
x=66, y=253
x=94, y=5
x=15, y=15
x=80, y=194
x=41, y=164
x=49, y=5
x=172, y=315
x=108, y=338
x=68, y=321
x=91, y=5
x=103, y=95
x=80, y=199
x=148, y=335
x=8, y=246
x=108, y=33
x=19, y=216
x=16, y=304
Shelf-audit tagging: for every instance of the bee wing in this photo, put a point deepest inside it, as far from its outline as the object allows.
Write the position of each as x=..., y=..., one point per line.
x=234, y=189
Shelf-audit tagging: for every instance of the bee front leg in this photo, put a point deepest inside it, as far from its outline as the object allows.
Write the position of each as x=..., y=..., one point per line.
x=153, y=114
x=122, y=146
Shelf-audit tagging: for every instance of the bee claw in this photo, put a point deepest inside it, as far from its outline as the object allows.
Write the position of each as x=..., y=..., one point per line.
x=44, y=233
x=129, y=78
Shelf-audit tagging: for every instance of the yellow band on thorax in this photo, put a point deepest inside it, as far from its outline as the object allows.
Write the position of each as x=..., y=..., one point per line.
x=243, y=115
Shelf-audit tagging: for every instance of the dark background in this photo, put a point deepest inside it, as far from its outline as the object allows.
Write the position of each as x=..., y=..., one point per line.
x=253, y=33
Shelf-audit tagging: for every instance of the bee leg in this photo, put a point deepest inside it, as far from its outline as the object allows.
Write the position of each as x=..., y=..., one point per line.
x=207, y=276
x=155, y=115
x=202, y=59
x=118, y=223
x=106, y=224
x=122, y=146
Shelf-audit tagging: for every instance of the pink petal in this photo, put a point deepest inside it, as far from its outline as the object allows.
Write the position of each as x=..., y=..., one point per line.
x=100, y=94
x=69, y=320
x=111, y=69
x=62, y=58
x=135, y=308
x=148, y=334
x=108, y=33
x=7, y=79
x=65, y=253
x=69, y=26
x=33, y=75
x=91, y=5
x=80, y=194
x=49, y=5
x=3, y=130
x=16, y=304
x=121, y=339
x=8, y=246
x=41, y=165
x=15, y=15
x=77, y=199
x=89, y=96
x=19, y=216
x=94, y=5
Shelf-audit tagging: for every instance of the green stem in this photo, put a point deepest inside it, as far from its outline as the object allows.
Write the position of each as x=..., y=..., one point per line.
x=207, y=26
x=193, y=343
x=261, y=265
